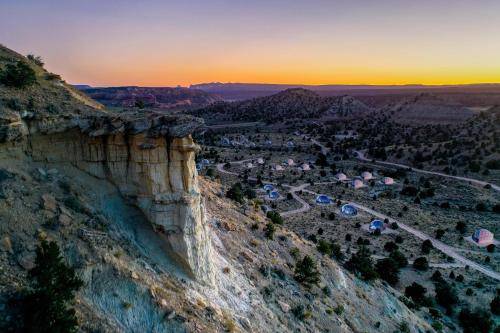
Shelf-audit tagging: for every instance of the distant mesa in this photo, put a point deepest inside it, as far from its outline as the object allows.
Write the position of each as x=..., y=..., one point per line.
x=429, y=109
x=150, y=97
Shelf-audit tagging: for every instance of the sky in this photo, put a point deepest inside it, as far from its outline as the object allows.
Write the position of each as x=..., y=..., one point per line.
x=169, y=43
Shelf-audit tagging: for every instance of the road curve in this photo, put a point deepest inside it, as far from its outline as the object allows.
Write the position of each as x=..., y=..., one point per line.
x=448, y=250
x=361, y=156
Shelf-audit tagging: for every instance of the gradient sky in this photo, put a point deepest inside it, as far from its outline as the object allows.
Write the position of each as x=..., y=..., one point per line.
x=165, y=43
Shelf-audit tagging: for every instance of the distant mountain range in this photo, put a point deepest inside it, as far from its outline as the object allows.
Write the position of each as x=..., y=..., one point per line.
x=162, y=97
x=373, y=95
x=290, y=104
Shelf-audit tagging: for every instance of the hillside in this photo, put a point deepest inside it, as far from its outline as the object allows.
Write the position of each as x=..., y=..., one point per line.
x=161, y=98
x=156, y=246
x=429, y=109
x=284, y=106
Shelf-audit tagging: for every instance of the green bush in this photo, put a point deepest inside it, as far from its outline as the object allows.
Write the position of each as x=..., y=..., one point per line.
x=18, y=75
x=275, y=217
x=416, y=293
x=235, y=193
x=361, y=264
x=306, y=272
x=269, y=230
x=478, y=321
x=446, y=296
x=421, y=264
x=388, y=270
x=53, y=287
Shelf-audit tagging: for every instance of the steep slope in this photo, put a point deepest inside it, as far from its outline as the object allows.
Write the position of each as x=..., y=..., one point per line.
x=287, y=105
x=162, y=98
x=428, y=108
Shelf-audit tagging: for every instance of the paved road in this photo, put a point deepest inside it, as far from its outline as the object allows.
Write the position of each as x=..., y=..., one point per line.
x=446, y=249
x=361, y=156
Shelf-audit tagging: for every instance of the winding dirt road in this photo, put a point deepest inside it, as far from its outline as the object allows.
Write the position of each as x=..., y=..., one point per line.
x=361, y=156
x=446, y=249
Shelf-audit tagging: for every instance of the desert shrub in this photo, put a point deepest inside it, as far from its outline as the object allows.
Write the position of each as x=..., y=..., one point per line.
x=388, y=270
x=306, y=272
x=409, y=191
x=390, y=246
x=478, y=321
x=495, y=305
x=426, y=246
x=275, y=217
x=235, y=193
x=295, y=253
x=421, y=264
x=361, y=264
x=461, y=227
x=269, y=230
x=416, y=293
x=37, y=60
x=446, y=296
x=52, y=76
x=74, y=203
x=493, y=164
x=324, y=247
x=18, y=75
x=481, y=207
x=399, y=258
x=52, y=291
x=490, y=248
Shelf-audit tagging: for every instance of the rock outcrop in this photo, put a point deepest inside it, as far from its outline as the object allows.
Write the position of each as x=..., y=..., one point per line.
x=149, y=158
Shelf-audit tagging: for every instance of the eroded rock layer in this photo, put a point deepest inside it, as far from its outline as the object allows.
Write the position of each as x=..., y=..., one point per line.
x=151, y=161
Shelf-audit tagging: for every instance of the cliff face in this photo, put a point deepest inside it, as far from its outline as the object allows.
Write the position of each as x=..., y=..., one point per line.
x=150, y=159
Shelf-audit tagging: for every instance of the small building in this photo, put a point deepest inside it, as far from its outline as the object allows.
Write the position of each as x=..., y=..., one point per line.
x=268, y=187
x=377, y=225
x=388, y=181
x=349, y=210
x=305, y=167
x=341, y=176
x=357, y=183
x=260, y=160
x=483, y=237
x=367, y=175
x=273, y=195
x=323, y=199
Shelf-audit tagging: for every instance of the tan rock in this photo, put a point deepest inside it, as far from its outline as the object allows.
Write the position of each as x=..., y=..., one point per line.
x=6, y=244
x=65, y=220
x=49, y=202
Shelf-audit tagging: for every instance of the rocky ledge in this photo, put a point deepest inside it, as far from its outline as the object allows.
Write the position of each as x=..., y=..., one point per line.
x=148, y=157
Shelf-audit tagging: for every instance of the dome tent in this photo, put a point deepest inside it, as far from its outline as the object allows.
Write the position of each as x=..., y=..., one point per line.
x=388, y=181
x=273, y=195
x=289, y=162
x=349, y=210
x=268, y=187
x=377, y=225
x=357, y=183
x=483, y=237
x=341, y=176
x=278, y=167
x=323, y=199
x=260, y=160
x=305, y=167
x=367, y=175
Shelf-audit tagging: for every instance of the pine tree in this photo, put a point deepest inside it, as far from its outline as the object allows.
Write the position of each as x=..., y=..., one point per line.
x=53, y=286
x=306, y=271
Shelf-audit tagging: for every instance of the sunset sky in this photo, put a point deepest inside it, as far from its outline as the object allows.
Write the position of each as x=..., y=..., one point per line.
x=166, y=43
